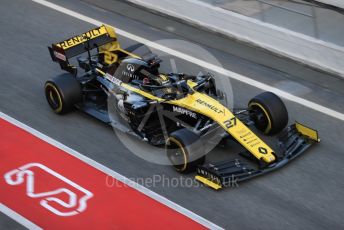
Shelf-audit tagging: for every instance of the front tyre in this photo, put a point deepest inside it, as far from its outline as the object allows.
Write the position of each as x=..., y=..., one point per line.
x=268, y=113
x=62, y=93
x=185, y=151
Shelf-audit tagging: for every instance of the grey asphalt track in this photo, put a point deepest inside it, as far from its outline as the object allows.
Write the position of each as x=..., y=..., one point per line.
x=307, y=194
x=8, y=223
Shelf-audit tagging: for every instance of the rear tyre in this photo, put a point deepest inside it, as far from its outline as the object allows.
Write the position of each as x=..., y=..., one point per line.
x=62, y=93
x=185, y=151
x=269, y=113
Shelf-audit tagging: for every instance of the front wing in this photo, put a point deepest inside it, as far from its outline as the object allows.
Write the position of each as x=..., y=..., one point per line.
x=293, y=141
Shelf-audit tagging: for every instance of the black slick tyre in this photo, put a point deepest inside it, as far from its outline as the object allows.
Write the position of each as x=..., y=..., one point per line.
x=62, y=93
x=269, y=113
x=185, y=151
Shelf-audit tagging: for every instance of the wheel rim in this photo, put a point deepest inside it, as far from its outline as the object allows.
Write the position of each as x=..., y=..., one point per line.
x=176, y=154
x=260, y=117
x=53, y=97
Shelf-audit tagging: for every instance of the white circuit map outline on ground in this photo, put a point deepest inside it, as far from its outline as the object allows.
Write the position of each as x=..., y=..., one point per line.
x=24, y=172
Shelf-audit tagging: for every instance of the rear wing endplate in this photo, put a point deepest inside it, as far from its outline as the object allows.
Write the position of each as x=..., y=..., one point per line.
x=61, y=52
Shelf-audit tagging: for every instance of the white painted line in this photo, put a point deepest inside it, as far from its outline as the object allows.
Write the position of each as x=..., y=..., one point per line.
x=252, y=20
x=337, y=3
x=18, y=218
x=221, y=70
x=112, y=173
x=256, y=21
x=298, y=47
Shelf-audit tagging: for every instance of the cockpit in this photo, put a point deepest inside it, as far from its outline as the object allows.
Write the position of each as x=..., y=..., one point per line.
x=145, y=75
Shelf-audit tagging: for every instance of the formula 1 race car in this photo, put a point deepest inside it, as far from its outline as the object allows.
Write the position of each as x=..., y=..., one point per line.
x=181, y=112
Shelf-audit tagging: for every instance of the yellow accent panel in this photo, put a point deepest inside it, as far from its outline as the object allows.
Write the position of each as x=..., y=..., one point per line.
x=129, y=54
x=311, y=133
x=268, y=128
x=191, y=84
x=101, y=72
x=112, y=46
x=163, y=77
x=108, y=50
x=208, y=182
x=77, y=40
x=110, y=30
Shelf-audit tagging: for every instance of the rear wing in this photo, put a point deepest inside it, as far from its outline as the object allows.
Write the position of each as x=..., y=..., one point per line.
x=61, y=52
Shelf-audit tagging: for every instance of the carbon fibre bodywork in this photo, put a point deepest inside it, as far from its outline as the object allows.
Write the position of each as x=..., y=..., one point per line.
x=151, y=105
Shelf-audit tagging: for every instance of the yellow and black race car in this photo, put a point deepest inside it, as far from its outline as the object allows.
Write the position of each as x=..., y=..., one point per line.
x=178, y=111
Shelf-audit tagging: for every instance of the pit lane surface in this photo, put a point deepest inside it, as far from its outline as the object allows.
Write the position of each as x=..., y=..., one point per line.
x=306, y=194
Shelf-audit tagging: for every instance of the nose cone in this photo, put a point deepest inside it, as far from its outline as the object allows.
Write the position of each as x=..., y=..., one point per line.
x=269, y=158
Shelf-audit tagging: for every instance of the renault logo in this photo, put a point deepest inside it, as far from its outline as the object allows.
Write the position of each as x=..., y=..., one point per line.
x=262, y=150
